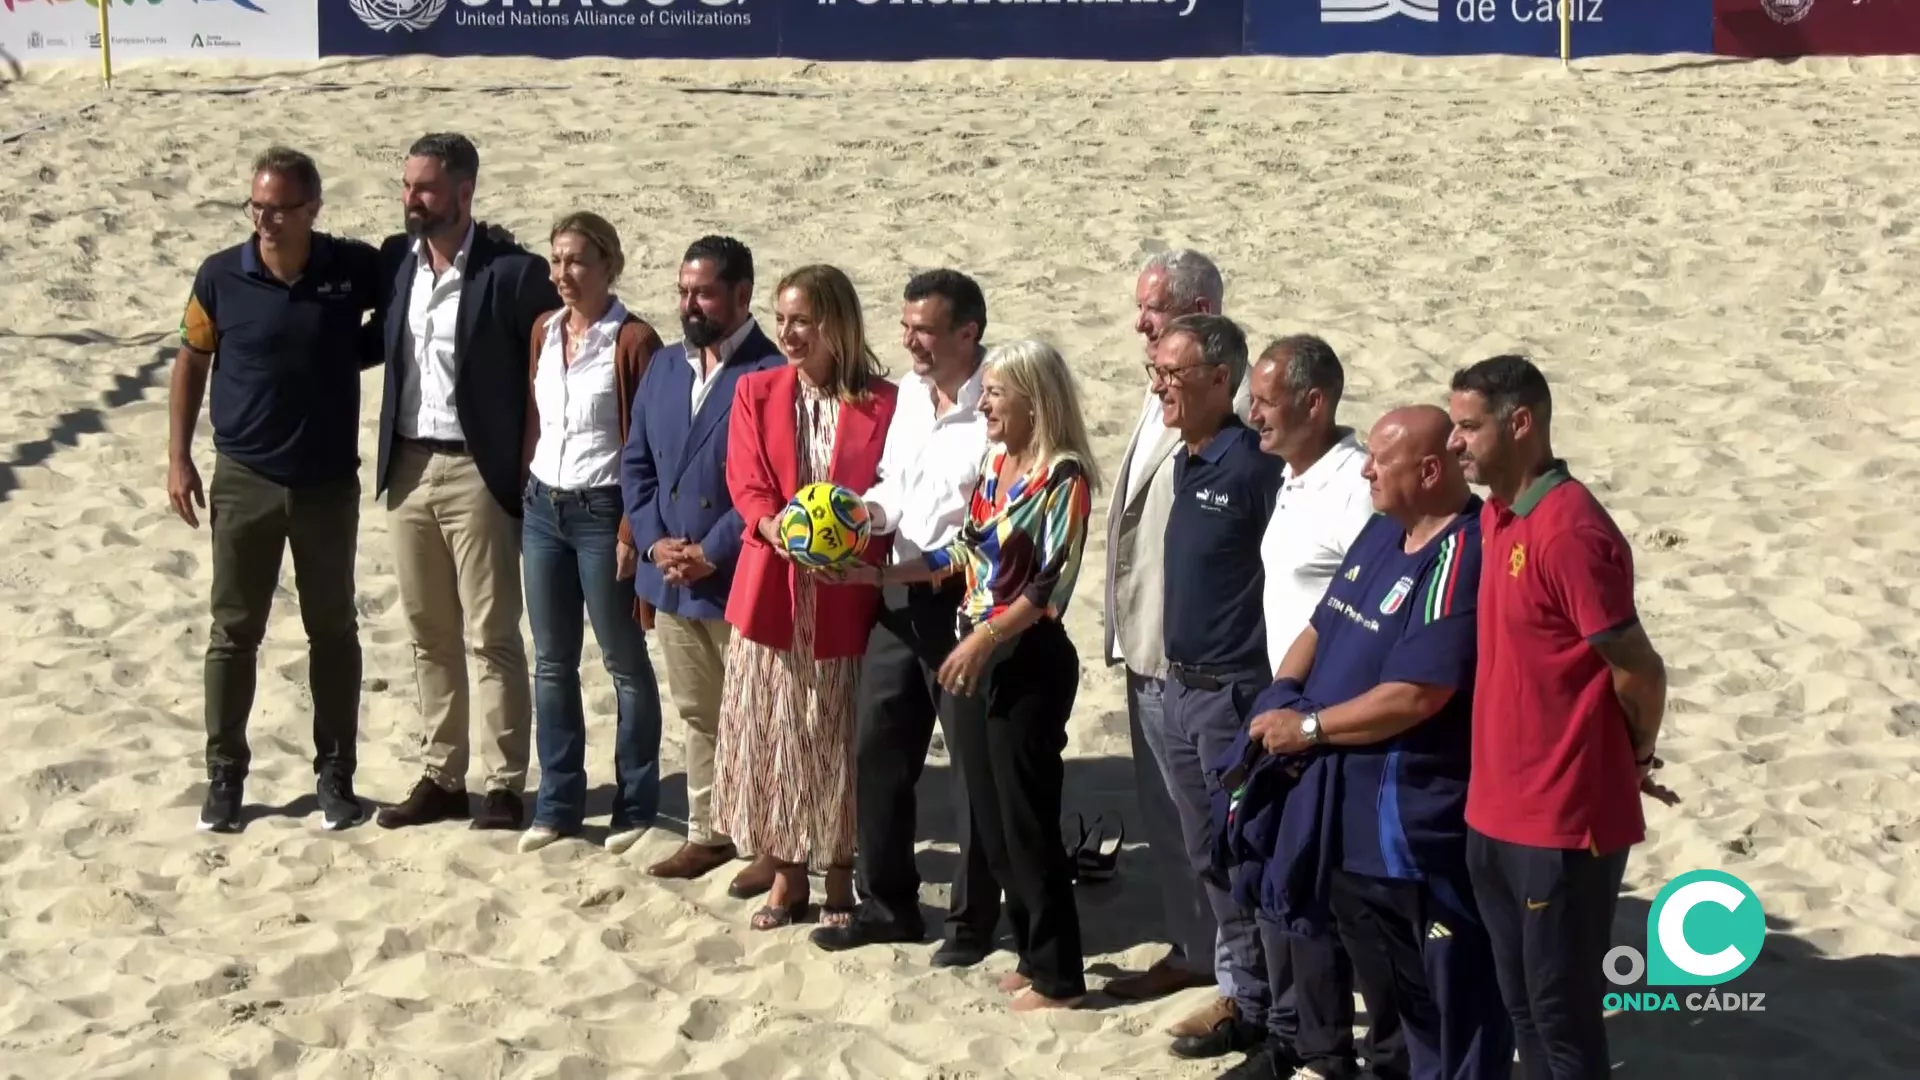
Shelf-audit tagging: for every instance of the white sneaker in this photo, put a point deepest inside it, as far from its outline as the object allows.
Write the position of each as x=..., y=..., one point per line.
x=536, y=838
x=619, y=842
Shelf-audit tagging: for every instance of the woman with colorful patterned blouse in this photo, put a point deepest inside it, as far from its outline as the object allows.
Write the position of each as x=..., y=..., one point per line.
x=1011, y=681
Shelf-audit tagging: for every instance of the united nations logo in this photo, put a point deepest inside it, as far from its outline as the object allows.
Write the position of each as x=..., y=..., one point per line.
x=1787, y=11
x=384, y=15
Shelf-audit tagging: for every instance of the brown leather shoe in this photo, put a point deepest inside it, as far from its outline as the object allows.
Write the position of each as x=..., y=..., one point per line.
x=502, y=809
x=427, y=803
x=1204, y=1020
x=756, y=879
x=693, y=861
x=1158, y=981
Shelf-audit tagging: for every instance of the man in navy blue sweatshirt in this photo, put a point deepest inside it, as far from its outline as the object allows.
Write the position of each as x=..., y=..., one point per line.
x=1385, y=675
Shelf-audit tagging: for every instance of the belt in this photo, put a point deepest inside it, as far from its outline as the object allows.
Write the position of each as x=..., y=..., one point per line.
x=541, y=489
x=439, y=446
x=1206, y=676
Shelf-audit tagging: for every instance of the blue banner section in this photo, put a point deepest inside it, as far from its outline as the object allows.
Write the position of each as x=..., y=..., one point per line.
x=1474, y=27
x=696, y=29
x=901, y=30
x=989, y=29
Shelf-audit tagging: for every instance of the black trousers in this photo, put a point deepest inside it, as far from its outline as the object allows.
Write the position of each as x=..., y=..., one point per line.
x=1426, y=963
x=1008, y=737
x=254, y=521
x=898, y=703
x=1312, y=1010
x=1549, y=918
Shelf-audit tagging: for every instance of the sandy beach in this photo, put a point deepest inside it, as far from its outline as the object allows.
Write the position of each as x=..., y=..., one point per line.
x=1716, y=262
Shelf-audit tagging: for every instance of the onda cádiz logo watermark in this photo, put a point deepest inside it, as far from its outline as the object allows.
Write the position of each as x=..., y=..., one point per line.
x=1705, y=928
x=419, y=15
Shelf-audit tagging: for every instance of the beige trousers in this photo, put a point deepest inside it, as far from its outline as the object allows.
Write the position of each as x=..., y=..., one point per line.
x=457, y=554
x=695, y=651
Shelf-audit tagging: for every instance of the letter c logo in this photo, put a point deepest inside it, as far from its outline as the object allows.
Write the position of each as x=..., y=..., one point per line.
x=1673, y=928
x=1724, y=911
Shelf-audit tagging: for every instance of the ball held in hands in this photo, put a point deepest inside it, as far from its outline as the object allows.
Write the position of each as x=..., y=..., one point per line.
x=825, y=526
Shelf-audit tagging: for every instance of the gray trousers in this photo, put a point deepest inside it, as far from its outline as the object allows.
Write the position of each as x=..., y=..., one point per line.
x=1190, y=927
x=1200, y=727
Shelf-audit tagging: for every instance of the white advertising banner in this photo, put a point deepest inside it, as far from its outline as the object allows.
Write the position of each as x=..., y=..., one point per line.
x=38, y=30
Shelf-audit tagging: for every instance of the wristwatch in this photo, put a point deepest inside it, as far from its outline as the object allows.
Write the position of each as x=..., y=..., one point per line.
x=1310, y=728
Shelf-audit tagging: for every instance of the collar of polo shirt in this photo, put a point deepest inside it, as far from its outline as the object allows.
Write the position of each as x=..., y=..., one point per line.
x=1326, y=470
x=317, y=254
x=1556, y=474
x=1217, y=446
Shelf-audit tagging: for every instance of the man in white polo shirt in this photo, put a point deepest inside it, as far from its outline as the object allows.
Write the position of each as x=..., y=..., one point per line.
x=1325, y=500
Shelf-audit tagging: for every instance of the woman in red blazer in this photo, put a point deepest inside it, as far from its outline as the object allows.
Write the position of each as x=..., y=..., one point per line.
x=783, y=773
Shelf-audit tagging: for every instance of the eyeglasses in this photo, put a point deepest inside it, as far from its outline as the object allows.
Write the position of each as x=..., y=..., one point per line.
x=1173, y=376
x=258, y=210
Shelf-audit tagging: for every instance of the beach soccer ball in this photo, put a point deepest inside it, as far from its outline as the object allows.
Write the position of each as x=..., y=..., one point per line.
x=824, y=526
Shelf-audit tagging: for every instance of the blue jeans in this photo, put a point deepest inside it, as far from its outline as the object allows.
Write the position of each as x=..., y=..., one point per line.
x=569, y=544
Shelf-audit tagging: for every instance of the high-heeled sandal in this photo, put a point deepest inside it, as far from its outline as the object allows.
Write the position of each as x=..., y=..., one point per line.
x=775, y=916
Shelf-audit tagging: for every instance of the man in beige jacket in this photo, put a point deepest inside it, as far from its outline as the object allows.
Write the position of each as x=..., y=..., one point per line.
x=1171, y=284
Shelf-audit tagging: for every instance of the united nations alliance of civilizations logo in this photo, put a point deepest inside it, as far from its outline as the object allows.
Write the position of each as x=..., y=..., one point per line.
x=1787, y=11
x=386, y=15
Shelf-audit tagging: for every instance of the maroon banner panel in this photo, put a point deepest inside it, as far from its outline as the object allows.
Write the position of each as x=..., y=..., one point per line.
x=1787, y=28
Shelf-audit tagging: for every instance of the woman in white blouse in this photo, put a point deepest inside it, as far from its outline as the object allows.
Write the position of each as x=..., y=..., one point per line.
x=576, y=544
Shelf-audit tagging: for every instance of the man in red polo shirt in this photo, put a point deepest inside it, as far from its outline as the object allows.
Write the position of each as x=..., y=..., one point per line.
x=1569, y=696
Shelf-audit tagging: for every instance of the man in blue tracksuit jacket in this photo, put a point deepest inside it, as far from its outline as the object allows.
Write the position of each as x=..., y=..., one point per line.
x=1386, y=688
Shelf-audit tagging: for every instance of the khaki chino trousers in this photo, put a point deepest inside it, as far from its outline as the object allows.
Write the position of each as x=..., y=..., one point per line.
x=695, y=651
x=457, y=555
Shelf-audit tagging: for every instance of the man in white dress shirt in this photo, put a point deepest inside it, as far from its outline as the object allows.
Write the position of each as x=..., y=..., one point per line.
x=457, y=330
x=1171, y=284
x=928, y=470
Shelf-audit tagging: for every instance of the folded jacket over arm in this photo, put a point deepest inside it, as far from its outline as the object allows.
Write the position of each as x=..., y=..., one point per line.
x=1275, y=823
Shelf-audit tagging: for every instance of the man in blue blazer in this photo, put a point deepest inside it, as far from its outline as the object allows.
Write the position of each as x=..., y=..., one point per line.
x=674, y=473
x=456, y=332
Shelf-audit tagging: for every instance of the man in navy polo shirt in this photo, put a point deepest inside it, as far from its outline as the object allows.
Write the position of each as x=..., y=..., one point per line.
x=1565, y=724
x=1385, y=673
x=1224, y=492
x=275, y=322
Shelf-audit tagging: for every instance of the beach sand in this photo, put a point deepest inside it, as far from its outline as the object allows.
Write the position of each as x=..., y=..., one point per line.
x=1716, y=263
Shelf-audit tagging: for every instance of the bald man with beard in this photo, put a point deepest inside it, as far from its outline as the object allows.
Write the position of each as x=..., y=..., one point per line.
x=1383, y=678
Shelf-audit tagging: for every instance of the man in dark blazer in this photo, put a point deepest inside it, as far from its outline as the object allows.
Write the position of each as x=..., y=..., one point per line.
x=456, y=333
x=674, y=473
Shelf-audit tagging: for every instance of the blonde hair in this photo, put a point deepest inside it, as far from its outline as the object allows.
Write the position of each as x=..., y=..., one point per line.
x=836, y=310
x=1037, y=372
x=599, y=234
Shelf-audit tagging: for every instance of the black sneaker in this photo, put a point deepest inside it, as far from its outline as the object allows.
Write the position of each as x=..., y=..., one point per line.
x=866, y=929
x=221, y=812
x=1271, y=1060
x=959, y=954
x=339, y=807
